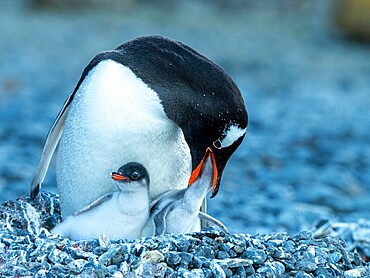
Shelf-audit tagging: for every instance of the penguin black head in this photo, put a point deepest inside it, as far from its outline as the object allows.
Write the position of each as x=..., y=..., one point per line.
x=198, y=95
x=131, y=173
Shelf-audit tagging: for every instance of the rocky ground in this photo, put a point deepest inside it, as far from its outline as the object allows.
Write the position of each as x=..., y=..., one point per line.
x=28, y=249
x=306, y=155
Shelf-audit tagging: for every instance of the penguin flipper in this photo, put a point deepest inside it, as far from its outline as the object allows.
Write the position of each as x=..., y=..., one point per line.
x=97, y=202
x=156, y=200
x=206, y=217
x=159, y=219
x=50, y=145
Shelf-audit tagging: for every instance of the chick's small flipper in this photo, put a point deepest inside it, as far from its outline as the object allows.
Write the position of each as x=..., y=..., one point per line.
x=97, y=202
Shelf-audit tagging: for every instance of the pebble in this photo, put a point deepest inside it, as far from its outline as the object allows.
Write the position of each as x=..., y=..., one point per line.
x=172, y=259
x=222, y=255
x=104, y=241
x=185, y=273
x=238, y=249
x=186, y=259
x=234, y=263
x=217, y=270
x=242, y=273
x=302, y=274
x=354, y=273
x=76, y=266
x=117, y=274
x=153, y=257
x=257, y=255
x=208, y=252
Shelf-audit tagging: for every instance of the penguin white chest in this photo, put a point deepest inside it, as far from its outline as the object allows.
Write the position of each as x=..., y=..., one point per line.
x=115, y=118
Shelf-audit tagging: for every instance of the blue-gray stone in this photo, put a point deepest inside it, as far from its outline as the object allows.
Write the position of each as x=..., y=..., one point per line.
x=258, y=275
x=306, y=266
x=224, y=247
x=172, y=259
x=170, y=273
x=146, y=270
x=289, y=246
x=232, y=254
x=290, y=264
x=198, y=272
x=205, y=251
x=305, y=235
x=182, y=245
x=235, y=262
x=114, y=255
x=207, y=272
x=226, y=270
x=185, y=273
x=302, y=274
x=186, y=259
x=278, y=268
x=357, y=258
x=256, y=255
x=266, y=271
x=242, y=273
x=208, y=240
x=100, y=250
x=112, y=268
x=199, y=261
x=354, y=273
x=217, y=270
x=323, y=272
x=334, y=257
x=222, y=255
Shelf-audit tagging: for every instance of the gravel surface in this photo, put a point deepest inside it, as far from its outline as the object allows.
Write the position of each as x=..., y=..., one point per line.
x=27, y=248
x=306, y=155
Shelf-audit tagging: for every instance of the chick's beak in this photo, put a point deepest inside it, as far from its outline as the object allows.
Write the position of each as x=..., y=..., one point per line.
x=118, y=177
x=197, y=171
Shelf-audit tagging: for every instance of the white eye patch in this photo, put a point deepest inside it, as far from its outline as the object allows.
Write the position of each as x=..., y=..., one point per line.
x=231, y=134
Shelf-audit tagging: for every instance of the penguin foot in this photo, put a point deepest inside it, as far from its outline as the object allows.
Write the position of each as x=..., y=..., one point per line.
x=204, y=217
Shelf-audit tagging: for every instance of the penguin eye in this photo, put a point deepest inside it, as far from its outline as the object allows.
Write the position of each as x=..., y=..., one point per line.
x=217, y=144
x=135, y=176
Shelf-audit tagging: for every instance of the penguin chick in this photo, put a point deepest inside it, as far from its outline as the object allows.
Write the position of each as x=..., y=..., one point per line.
x=177, y=211
x=119, y=214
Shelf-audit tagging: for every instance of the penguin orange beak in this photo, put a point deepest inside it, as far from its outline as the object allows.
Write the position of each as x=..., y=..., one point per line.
x=118, y=177
x=196, y=173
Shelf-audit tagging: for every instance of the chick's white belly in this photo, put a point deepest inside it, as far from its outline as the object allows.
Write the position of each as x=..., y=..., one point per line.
x=104, y=219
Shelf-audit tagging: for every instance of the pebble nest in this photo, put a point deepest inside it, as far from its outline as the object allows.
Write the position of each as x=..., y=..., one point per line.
x=27, y=248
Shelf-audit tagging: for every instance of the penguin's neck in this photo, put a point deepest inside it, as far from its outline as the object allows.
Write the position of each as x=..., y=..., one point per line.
x=194, y=195
x=133, y=201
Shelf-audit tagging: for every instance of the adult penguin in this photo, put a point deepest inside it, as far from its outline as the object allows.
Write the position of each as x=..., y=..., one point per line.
x=151, y=100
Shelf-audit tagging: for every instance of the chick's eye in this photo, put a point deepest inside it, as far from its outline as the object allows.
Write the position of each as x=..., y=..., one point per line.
x=135, y=176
